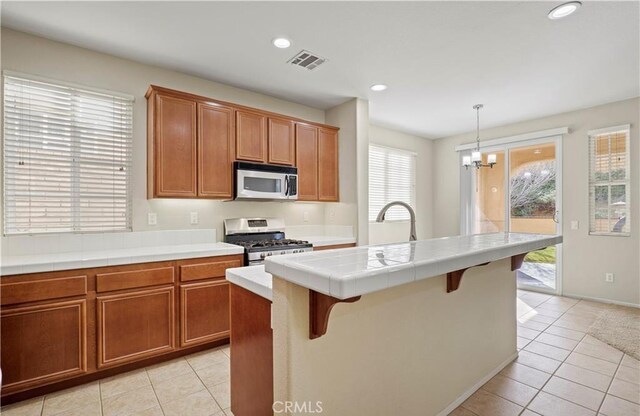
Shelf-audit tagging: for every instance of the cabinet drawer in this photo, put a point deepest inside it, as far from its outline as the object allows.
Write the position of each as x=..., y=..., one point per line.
x=36, y=290
x=207, y=270
x=135, y=278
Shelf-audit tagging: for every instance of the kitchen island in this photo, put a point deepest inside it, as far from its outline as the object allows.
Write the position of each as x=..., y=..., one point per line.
x=410, y=328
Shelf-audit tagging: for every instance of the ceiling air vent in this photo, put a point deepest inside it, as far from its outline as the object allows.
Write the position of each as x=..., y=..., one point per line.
x=307, y=60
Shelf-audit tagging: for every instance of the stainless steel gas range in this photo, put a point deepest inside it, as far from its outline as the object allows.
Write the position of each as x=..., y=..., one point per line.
x=261, y=238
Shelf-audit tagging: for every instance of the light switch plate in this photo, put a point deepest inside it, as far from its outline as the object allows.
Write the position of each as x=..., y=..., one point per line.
x=305, y=216
x=193, y=218
x=608, y=277
x=152, y=218
x=575, y=225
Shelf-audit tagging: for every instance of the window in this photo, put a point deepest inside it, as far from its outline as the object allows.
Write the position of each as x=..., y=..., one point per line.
x=609, y=182
x=392, y=177
x=67, y=158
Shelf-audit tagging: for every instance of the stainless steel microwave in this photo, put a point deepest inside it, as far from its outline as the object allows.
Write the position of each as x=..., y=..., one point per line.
x=260, y=181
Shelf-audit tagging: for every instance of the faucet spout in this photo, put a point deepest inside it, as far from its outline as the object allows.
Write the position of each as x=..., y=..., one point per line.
x=412, y=214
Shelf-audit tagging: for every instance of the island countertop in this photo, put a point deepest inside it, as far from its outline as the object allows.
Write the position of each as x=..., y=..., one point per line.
x=350, y=272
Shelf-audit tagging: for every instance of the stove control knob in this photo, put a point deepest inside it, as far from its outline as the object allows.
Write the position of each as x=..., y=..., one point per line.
x=262, y=255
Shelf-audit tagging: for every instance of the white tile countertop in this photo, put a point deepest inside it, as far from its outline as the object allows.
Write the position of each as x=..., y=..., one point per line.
x=327, y=240
x=252, y=278
x=44, y=253
x=356, y=271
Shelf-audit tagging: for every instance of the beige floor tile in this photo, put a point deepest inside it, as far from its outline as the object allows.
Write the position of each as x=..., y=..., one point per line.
x=548, y=351
x=93, y=408
x=227, y=351
x=461, y=411
x=592, y=363
x=123, y=383
x=557, y=341
x=548, y=365
x=228, y=412
x=560, y=300
x=31, y=407
x=552, y=313
x=549, y=405
x=195, y=404
x=585, y=377
x=510, y=389
x=564, y=332
x=131, y=402
x=536, y=326
x=214, y=374
x=564, y=323
x=629, y=374
x=522, y=342
x=555, y=307
x=177, y=388
x=484, y=403
x=206, y=358
x=601, y=351
x=152, y=411
x=527, y=332
x=171, y=369
x=629, y=361
x=70, y=399
x=222, y=394
x=528, y=412
x=573, y=392
x=585, y=315
x=536, y=317
x=625, y=390
x=527, y=375
x=614, y=406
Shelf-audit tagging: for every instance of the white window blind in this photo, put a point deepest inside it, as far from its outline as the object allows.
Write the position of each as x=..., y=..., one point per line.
x=67, y=158
x=392, y=177
x=609, y=182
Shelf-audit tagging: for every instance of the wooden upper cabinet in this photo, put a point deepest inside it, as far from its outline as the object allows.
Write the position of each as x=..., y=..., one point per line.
x=216, y=144
x=307, y=162
x=174, y=142
x=328, y=165
x=251, y=136
x=281, y=142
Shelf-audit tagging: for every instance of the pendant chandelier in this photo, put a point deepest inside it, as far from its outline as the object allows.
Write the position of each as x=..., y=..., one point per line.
x=475, y=159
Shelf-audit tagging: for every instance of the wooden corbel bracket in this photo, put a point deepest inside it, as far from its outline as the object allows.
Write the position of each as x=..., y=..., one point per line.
x=454, y=277
x=320, y=306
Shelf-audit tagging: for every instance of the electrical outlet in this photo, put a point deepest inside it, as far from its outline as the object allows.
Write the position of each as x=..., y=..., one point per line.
x=608, y=277
x=332, y=215
x=152, y=218
x=575, y=225
x=193, y=218
x=305, y=216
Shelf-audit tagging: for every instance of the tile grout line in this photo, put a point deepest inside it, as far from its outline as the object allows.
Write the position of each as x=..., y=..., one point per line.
x=205, y=386
x=153, y=389
x=610, y=383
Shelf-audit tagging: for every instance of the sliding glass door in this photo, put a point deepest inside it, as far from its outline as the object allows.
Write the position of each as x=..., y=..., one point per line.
x=521, y=193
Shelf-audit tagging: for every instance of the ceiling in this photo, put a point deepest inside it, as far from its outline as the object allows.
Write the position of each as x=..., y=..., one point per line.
x=438, y=58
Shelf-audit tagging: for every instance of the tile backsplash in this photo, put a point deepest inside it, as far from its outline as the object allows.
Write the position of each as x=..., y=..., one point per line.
x=64, y=243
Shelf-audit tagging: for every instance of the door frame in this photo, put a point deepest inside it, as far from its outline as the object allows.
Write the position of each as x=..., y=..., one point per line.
x=467, y=212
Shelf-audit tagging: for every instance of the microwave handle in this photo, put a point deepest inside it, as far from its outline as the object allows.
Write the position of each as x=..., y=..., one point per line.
x=286, y=185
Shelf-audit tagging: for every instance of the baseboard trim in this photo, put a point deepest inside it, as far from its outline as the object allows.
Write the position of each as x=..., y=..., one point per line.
x=603, y=300
x=457, y=402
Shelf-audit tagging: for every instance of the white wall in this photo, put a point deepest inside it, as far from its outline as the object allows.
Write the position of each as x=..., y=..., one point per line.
x=585, y=258
x=389, y=232
x=353, y=119
x=35, y=55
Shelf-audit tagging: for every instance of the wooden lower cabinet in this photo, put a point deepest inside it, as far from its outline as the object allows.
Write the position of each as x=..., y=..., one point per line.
x=204, y=312
x=59, y=329
x=43, y=343
x=135, y=325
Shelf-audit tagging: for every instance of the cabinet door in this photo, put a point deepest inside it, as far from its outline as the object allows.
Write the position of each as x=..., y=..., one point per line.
x=328, y=165
x=134, y=325
x=43, y=343
x=175, y=147
x=307, y=162
x=281, y=142
x=251, y=136
x=216, y=139
x=204, y=312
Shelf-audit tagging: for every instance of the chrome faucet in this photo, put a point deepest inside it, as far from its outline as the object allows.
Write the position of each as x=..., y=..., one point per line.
x=383, y=211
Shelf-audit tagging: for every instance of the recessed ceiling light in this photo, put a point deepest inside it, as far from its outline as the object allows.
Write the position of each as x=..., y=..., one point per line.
x=378, y=87
x=281, y=43
x=564, y=10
